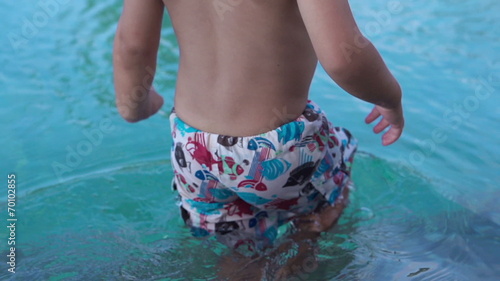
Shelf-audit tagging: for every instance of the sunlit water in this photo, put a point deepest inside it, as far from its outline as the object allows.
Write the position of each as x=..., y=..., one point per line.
x=425, y=208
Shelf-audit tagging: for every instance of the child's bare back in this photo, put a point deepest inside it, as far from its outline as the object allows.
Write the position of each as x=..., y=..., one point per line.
x=242, y=62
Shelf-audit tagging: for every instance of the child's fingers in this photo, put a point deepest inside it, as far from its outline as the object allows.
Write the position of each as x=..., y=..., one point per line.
x=392, y=135
x=382, y=125
x=374, y=114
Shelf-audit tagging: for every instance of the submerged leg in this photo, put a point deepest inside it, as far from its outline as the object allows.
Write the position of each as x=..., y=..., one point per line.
x=309, y=228
x=240, y=267
x=323, y=219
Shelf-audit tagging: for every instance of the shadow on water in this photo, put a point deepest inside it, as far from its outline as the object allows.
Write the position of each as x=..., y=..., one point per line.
x=125, y=226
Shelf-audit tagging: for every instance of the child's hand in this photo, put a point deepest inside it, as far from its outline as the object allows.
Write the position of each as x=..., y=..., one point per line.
x=137, y=110
x=155, y=102
x=390, y=117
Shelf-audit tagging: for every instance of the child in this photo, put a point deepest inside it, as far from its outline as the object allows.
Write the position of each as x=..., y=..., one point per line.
x=250, y=152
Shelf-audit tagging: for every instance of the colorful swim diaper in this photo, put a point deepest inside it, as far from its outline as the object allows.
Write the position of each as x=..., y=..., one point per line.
x=249, y=186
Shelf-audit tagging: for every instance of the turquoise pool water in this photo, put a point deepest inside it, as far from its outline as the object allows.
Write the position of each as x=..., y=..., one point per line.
x=93, y=195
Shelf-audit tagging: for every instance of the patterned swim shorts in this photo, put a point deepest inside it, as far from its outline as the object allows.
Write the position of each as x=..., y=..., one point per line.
x=252, y=185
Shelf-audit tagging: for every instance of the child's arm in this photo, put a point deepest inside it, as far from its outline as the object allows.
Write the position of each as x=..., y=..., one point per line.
x=353, y=62
x=134, y=59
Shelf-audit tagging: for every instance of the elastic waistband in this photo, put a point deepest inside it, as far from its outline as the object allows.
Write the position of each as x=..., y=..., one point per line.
x=311, y=119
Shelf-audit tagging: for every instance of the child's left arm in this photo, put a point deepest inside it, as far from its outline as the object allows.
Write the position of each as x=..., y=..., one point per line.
x=134, y=59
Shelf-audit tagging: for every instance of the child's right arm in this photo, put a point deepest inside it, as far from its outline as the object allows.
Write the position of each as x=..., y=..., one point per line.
x=134, y=59
x=353, y=63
